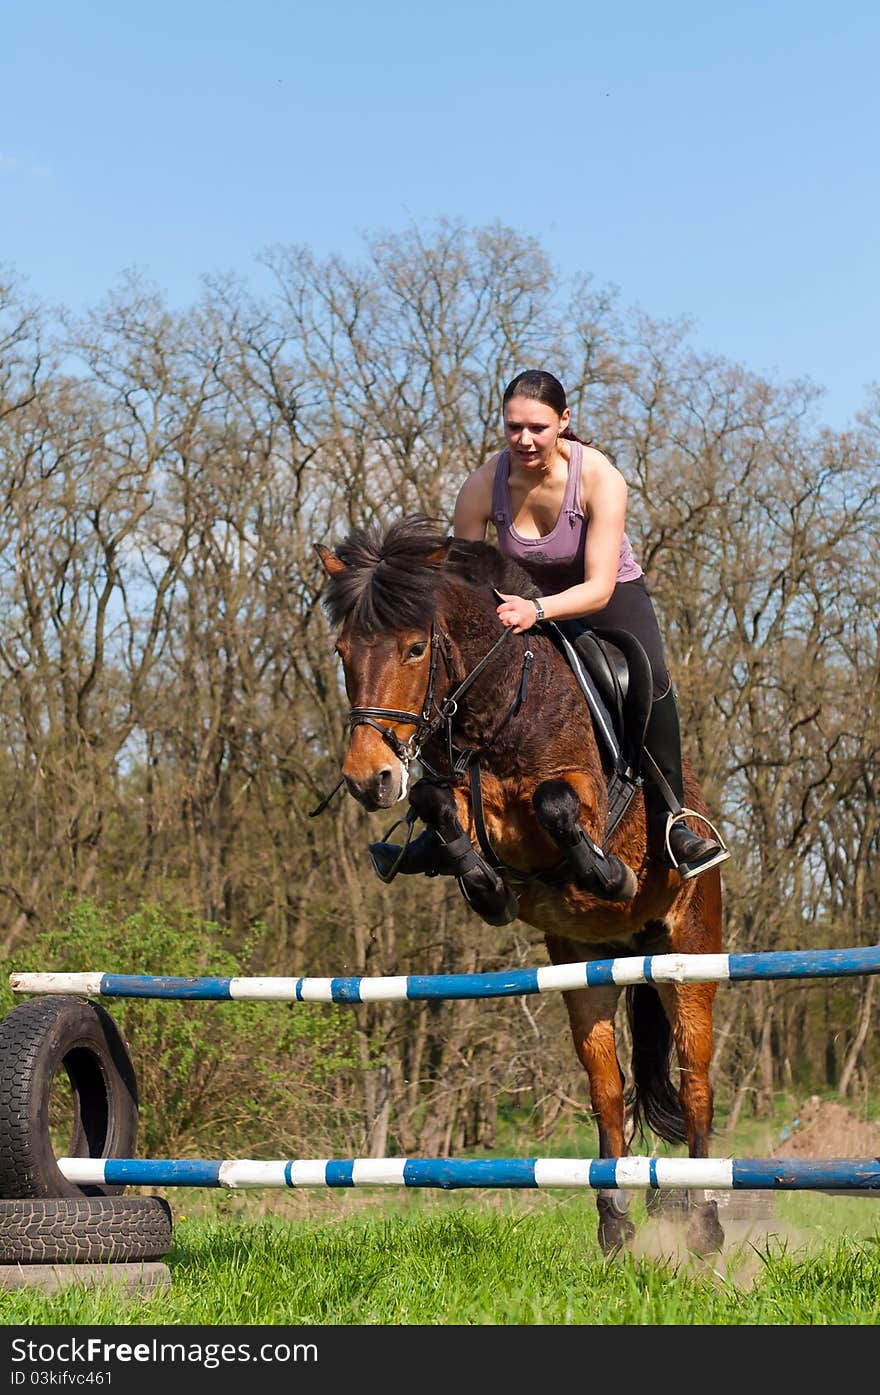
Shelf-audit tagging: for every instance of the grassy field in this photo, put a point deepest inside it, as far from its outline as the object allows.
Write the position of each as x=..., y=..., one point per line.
x=492, y=1258
x=496, y=1259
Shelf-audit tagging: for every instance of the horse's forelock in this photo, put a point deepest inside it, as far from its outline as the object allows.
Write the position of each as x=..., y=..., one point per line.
x=390, y=579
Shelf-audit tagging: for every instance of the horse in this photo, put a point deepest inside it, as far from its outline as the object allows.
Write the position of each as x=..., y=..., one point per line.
x=514, y=789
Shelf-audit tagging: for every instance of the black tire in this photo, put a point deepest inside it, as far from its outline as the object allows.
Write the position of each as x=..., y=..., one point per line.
x=39, y=1040
x=91, y=1230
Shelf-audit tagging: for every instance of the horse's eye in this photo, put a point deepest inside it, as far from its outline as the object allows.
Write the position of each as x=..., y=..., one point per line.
x=415, y=651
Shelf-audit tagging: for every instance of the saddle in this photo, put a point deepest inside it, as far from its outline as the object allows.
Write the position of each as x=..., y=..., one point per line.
x=614, y=675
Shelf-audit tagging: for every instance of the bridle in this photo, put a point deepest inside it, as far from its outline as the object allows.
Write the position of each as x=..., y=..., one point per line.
x=425, y=725
x=462, y=763
x=436, y=716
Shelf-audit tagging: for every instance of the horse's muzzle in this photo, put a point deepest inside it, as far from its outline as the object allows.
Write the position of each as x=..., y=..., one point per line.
x=380, y=788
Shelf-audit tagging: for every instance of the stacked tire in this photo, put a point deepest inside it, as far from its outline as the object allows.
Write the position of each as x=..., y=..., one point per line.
x=44, y=1218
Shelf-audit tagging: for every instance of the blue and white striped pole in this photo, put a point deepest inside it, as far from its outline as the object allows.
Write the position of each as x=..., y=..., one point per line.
x=859, y=1175
x=652, y=968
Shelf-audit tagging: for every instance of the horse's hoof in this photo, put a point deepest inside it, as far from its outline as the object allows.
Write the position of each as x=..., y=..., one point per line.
x=509, y=911
x=704, y=1233
x=598, y=873
x=616, y=1230
x=621, y=886
x=425, y=855
x=620, y=882
x=616, y=1233
x=384, y=858
x=629, y=884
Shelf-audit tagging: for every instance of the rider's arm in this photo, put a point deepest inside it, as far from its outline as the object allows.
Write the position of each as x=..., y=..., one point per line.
x=607, y=513
x=473, y=507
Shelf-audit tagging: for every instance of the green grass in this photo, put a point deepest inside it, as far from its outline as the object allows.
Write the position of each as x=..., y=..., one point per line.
x=494, y=1258
x=486, y=1259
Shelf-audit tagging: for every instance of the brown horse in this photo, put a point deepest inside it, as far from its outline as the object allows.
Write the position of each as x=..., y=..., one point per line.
x=435, y=682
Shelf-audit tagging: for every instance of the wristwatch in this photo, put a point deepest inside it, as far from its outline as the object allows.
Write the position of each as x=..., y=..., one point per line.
x=539, y=610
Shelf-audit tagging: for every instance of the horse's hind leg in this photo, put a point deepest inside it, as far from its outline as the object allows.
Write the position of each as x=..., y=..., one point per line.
x=689, y=1009
x=688, y=1006
x=591, y=1013
x=481, y=887
x=559, y=806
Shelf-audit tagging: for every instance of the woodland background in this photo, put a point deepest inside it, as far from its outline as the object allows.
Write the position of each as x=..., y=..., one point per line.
x=171, y=710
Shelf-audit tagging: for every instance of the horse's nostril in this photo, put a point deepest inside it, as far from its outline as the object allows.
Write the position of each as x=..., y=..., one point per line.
x=375, y=789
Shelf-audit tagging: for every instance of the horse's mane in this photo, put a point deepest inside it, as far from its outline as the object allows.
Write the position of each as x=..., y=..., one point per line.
x=392, y=579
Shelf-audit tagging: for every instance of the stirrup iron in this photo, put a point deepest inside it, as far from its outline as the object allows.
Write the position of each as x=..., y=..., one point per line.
x=388, y=876
x=685, y=871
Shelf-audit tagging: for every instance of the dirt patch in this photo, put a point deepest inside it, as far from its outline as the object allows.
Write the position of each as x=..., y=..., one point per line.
x=827, y=1129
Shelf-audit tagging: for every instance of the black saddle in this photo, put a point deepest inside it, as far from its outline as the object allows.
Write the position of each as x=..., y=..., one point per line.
x=614, y=675
x=619, y=666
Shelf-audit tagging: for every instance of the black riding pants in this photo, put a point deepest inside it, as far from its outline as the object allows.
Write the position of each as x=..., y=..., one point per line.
x=631, y=609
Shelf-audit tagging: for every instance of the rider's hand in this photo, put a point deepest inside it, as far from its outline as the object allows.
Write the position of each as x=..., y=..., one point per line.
x=516, y=613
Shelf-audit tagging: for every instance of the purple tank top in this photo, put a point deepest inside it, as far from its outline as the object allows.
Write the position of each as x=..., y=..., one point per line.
x=556, y=561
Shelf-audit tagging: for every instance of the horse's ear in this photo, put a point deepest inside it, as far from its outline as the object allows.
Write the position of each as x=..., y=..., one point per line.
x=438, y=557
x=329, y=561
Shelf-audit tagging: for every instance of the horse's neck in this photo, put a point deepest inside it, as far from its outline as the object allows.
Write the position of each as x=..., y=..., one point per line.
x=552, y=696
x=472, y=635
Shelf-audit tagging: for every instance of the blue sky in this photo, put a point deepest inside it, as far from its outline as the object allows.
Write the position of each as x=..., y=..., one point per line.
x=719, y=162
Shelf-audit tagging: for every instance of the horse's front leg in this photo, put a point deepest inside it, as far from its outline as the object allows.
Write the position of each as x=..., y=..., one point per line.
x=483, y=889
x=689, y=1009
x=566, y=809
x=591, y=1013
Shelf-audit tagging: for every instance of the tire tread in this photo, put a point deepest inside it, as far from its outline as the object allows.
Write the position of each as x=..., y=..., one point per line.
x=27, y=1166
x=90, y=1229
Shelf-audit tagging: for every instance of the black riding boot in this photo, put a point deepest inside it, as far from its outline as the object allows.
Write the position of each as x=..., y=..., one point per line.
x=689, y=853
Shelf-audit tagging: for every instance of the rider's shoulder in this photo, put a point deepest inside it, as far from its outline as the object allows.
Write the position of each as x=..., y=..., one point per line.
x=482, y=478
x=600, y=469
x=597, y=459
x=490, y=464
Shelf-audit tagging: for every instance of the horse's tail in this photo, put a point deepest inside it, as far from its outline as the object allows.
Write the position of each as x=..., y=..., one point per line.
x=653, y=1098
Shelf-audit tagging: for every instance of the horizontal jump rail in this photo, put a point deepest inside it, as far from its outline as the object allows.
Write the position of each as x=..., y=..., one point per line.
x=596, y=973
x=858, y=1175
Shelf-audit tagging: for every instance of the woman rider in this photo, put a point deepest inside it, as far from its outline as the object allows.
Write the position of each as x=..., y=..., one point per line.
x=558, y=506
